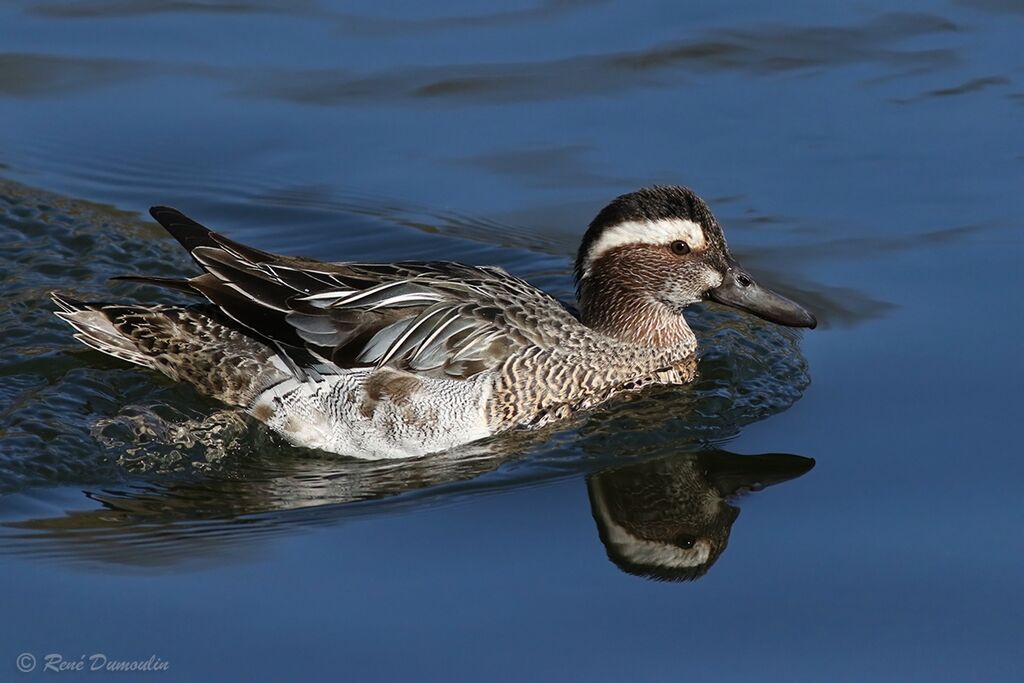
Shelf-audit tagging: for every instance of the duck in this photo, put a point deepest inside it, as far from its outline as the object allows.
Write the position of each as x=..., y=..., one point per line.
x=404, y=359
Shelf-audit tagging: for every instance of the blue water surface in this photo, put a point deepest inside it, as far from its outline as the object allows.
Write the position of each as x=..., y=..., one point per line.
x=864, y=159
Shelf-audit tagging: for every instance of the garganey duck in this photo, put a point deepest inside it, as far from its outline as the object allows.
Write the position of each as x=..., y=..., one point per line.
x=404, y=359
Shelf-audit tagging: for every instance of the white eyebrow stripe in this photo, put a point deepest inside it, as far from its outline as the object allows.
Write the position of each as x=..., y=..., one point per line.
x=662, y=231
x=649, y=553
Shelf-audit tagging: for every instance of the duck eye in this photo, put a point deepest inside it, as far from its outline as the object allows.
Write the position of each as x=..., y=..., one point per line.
x=686, y=542
x=680, y=248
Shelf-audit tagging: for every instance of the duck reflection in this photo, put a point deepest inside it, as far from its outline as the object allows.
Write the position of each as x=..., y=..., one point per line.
x=670, y=519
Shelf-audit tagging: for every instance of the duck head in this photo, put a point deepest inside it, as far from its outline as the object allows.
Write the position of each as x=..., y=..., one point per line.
x=670, y=519
x=651, y=253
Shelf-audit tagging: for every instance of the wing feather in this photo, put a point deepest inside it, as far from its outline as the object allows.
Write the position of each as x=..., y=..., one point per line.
x=448, y=319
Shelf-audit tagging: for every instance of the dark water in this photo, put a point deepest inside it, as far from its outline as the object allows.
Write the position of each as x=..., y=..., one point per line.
x=866, y=162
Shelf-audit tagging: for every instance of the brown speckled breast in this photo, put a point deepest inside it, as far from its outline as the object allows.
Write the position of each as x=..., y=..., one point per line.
x=537, y=388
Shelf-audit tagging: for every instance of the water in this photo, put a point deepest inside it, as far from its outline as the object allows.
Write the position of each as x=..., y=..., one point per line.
x=865, y=162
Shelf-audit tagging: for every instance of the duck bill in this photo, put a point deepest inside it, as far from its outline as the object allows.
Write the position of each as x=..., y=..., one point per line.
x=740, y=291
x=731, y=473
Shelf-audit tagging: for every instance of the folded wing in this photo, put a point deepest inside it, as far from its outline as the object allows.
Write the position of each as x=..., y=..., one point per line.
x=434, y=318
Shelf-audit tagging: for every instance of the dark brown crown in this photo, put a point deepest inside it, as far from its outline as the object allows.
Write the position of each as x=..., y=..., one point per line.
x=649, y=204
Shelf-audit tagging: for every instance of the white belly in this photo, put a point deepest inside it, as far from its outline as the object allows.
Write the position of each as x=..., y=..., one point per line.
x=376, y=414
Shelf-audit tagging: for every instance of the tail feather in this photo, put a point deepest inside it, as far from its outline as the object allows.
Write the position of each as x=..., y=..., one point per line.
x=193, y=235
x=188, y=232
x=230, y=348
x=94, y=327
x=191, y=344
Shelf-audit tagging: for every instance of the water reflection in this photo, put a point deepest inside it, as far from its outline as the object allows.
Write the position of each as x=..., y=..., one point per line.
x=207, y=520
x=670, y=518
